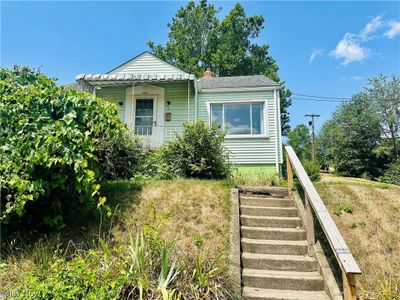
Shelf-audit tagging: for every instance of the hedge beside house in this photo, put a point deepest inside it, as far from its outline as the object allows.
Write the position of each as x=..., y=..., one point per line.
x=49, y=136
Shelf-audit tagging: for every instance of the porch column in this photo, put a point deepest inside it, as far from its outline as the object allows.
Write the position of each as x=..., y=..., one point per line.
x=132, y=106
x=129, y=106
x=188, y=100
x=276, y=124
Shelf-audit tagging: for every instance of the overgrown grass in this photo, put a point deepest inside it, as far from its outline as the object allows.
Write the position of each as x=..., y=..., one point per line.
x=165, y=240
x=369, y=221
x=258, y=179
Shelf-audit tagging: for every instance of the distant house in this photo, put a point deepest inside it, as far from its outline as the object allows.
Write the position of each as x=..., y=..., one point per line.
x=155, y=99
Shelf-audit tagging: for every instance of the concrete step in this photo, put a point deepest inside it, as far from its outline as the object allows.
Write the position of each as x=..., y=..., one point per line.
x=291, y=280
x=268, y=211
x=266, y=191
x=292, y=234
x=279, y=262
x=261, y=221
x=266, y=201
x=270, y=294
x=274, y=246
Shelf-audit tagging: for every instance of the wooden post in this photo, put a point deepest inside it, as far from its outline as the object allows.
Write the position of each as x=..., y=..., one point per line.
x=349, y=286
x=289, y=173
x=310, y=227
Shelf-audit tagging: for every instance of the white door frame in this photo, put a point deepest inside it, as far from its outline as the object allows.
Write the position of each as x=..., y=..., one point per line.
x=156, y=93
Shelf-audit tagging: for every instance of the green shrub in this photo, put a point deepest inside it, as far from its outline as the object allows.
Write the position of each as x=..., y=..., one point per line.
x=392, y=174
x=119, y=156
x=155, y=166
x=312, y=168
x=198, y=152
x=48, y=139
x=87, y=276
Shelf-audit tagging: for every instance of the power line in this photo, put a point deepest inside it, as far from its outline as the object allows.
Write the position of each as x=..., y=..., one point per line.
x=321, y=97
x=318, y=100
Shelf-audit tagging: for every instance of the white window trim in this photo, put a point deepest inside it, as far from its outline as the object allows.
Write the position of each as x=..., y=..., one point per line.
x=240, y=136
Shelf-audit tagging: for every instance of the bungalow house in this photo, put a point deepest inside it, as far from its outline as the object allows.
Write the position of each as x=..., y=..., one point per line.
x=155, y=99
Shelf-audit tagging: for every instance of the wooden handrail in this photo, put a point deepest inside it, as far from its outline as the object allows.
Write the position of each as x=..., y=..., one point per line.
x=314, y=203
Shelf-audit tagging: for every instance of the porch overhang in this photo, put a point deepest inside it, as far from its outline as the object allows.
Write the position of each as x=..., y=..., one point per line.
x=91, y=81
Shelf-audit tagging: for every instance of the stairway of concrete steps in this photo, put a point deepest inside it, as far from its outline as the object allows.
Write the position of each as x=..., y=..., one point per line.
x=275, y=261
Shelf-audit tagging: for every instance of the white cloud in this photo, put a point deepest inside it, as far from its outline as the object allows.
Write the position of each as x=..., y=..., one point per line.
x=315, y=53
x=393, y=30
x=371, y=27
x=356, y=77
x=349, y=49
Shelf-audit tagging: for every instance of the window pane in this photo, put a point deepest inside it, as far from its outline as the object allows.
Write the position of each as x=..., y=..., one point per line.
x=237, y=118
x=144, y=107
x=216, y=113
x=258, y=118
x=144, y=116
x=144, y=121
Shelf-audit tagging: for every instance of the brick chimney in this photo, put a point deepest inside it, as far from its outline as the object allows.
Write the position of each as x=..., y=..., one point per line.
x=207, y=74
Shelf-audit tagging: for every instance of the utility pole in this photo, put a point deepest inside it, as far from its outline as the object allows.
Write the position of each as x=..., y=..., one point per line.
x=311, y=123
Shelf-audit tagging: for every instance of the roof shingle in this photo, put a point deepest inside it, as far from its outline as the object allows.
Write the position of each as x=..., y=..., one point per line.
x=253, y=81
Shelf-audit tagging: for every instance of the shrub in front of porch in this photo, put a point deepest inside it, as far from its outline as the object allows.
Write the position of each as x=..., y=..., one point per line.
x=120, y=156
x=198, y=153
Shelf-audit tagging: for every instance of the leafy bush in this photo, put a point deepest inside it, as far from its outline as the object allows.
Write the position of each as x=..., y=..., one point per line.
x=198, y=152
x=48, y=139
x=312, y=168
x=91, y=275
x=154, y=165
x=119, y=156
x=392, y=174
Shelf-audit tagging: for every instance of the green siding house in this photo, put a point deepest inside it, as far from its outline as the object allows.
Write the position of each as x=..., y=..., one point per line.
x=155, y=99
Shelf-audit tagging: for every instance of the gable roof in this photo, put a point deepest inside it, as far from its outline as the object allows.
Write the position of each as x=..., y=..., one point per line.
x=237, y=82
x=147, y=63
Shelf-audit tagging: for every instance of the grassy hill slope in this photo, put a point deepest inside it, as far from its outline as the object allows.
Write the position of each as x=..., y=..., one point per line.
x=185, y=225
x=368, y=216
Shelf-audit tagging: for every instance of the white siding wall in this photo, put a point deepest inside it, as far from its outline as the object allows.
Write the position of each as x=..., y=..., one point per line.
x=147, y=63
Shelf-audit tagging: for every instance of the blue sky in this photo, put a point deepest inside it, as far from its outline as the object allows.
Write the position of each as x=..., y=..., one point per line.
x=322, y=48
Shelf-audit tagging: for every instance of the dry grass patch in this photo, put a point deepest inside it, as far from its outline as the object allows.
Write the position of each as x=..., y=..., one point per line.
x=371, y=230
x=193, y=211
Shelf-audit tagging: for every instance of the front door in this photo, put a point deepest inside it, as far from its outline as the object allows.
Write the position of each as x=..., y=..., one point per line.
x=146, y=120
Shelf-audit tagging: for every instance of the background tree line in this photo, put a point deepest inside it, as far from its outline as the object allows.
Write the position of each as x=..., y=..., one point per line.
x=362, y=138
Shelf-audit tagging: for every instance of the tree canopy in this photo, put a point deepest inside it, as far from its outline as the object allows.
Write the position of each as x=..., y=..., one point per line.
x=353, y=134
x=199, y=41
x=299, y=138
x=385, y=95
x=362, y=137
